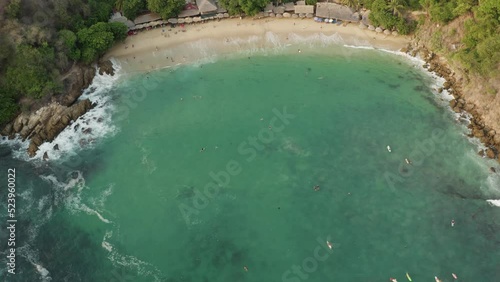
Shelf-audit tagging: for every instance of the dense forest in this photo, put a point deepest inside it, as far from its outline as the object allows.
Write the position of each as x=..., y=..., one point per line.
x=41, y=40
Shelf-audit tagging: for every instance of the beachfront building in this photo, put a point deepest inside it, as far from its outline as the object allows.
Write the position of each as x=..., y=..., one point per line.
x=304, y=9
x=336, y=11
x=147, y=18
x=207, y=7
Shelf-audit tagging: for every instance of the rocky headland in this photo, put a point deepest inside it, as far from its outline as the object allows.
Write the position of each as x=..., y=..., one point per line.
x=43, y=120
x=458, y=85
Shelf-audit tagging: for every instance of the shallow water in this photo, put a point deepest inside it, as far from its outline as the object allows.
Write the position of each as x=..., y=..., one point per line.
x=150, y=204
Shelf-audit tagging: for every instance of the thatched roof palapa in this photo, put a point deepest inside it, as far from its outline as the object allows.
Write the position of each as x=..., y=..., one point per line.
x=189, y=13
x=147, y=18
x=206, y=7
x=304, y=9
x=279, y=9
x=335, y=11
x=269, y=8
x=289, y=7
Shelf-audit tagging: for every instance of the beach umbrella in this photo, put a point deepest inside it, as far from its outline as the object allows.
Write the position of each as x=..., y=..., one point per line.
x=272, y=15
x=188, y=20
x=330, y=20
x=387, y=32
x=309, y=15
x=180, y=21
x=395, y=33
x=295, y=16
x=371, y=27
x=279, y=16
x=379, y=30
x=302, y=15
x=172, y=21
x=197, y=19
x=316, y=18
x=286, y=15
x=220, y=16
x=226, y=15
x=362, y=25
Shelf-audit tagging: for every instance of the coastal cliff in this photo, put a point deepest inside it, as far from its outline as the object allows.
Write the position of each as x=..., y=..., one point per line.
x=44, y=120
x=473, y=94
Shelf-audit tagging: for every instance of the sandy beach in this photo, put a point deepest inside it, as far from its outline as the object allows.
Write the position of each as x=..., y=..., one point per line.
x=166, y=47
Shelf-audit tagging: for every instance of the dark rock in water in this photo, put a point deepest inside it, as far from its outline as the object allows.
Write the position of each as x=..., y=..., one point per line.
x=45, y=156
x=86, y=130
x=490, y=153
x=56, y=147
x=493, y=169
x=100, y=119
x=481, y=153
x=440, y=90
x=76, y=127
x=106, y=67
x=74, y=174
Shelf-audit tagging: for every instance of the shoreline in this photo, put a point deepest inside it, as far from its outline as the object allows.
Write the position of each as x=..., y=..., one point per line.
x=482, y=129
x=167, y=47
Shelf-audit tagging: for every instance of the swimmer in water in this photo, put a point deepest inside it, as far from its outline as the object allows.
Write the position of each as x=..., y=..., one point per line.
x=202, y=149
x=245, y=268
x=452, y=222
x=316, y=188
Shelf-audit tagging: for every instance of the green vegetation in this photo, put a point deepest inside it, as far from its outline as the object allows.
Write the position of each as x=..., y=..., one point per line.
x=40, y=42
x=248, y=7
x=482, y=39
x=166, y=8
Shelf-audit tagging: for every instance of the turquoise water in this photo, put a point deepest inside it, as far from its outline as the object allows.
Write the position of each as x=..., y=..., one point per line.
x=213, y=168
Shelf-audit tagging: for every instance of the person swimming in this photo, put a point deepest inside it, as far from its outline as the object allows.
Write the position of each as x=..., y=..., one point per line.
x=316, y=188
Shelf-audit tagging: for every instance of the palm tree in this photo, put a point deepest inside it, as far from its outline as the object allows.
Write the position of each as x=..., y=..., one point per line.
x=396, y=7
x=119, y=5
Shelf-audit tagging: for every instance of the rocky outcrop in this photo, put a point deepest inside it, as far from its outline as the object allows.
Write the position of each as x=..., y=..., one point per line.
x=77, y=79
x=43, y=122
x=46, y=123
x=106, y=67
x=460, y=104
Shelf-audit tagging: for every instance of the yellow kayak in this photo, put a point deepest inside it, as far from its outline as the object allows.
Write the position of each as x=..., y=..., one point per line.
x=408, y=276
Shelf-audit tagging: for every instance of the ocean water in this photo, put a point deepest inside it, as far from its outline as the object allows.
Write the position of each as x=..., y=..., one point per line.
x=207, y=172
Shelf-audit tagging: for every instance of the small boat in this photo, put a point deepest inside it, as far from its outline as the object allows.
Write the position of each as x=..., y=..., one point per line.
x=408, y=276
x=437, y=279
x=454, y=275
x=329, y=245
x=393, y=279
x=389, y=148
x=407, y=161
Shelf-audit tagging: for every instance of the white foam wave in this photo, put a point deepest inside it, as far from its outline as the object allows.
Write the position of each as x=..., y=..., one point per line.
x=86, y=131
x=494, y=202
x=32, y=256
x=71, y=198
x=142, y=268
